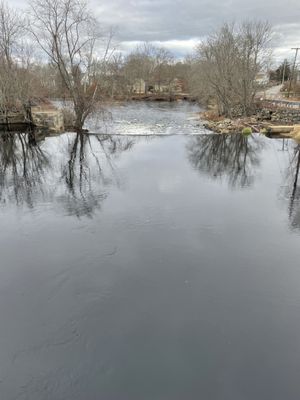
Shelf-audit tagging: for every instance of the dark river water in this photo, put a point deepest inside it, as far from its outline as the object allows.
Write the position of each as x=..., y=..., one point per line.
x=149, y=267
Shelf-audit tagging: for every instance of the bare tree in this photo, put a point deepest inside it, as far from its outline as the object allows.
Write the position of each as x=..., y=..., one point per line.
x=151, y=64
x=139, y=65
x=254, y=55
x=227, y=62
x=11, y=29
x=111, y=77
x=12, y=47
x=163, y=71
x=67, y=32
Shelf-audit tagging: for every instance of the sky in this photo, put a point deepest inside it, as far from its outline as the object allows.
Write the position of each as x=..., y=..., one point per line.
x=180, y=24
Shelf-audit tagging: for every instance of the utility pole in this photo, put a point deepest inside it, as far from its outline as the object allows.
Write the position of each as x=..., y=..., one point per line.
x=283, y=73
x=293, y=70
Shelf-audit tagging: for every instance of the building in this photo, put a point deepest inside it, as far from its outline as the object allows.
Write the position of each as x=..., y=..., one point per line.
x=139, y=86
x=262, y=78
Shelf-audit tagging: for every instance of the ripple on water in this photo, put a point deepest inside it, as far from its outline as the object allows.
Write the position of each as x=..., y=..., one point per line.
x=144, y=118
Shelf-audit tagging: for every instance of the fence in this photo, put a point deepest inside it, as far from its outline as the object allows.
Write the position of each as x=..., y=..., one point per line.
x=285, y=104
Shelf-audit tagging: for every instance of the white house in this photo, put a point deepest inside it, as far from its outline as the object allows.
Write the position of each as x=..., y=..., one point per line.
x=262, y=78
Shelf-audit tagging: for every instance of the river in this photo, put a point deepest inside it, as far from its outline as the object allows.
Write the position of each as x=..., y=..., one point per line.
x=156, y=261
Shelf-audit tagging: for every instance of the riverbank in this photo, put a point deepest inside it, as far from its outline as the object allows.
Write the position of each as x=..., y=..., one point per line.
x=168, y=97
x=259, y=122
x=227, y=125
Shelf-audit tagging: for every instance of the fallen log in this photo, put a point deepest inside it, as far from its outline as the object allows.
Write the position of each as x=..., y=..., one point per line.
x=280, y=129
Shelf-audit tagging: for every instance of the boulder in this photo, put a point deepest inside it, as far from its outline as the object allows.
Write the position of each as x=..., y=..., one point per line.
x=52, y=120
x=296, y=132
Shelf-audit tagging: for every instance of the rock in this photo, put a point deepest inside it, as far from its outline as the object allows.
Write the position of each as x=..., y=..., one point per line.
x=296, y=132
x=48, y=119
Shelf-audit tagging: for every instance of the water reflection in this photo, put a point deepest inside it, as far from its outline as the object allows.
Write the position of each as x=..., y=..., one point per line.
x=22, y=166
x=75, y=170
x=293, y=188
x=234, y=157
x=89, y=169
x=177, y=276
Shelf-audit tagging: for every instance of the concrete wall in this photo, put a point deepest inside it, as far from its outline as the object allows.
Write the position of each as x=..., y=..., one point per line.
x=12, y=118
x=52, y=120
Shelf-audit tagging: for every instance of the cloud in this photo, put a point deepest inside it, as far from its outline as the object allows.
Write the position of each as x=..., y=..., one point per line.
x=178, y=24
x=286, y=37
x=180, y=48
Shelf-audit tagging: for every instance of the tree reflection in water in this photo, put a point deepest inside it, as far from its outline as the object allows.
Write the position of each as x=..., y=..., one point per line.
x=231, y=156
x=294, y=189
x=72, y=170
x=90, y=167
x=22, y=166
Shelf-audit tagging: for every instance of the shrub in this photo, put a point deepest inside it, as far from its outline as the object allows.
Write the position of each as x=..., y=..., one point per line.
x=247, y=131
x=212, y=116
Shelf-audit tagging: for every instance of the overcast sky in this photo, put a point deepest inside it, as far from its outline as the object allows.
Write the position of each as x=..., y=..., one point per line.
x=179, y=24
